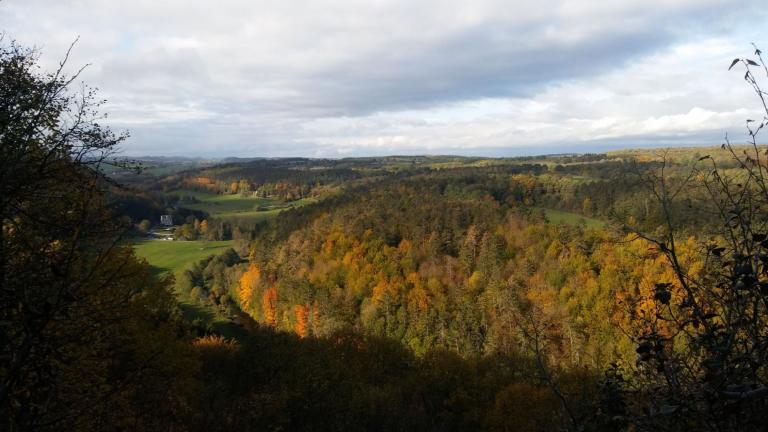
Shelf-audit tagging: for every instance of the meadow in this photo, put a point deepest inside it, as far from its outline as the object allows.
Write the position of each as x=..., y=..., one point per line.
x=231, y=206
x=175, y=256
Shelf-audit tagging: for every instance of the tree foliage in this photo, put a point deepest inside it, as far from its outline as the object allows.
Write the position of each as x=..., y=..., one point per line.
x=701, y=338
x=88, y=337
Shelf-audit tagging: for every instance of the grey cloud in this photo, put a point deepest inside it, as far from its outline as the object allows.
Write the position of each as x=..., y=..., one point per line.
x=468, y=66
x=251, y=78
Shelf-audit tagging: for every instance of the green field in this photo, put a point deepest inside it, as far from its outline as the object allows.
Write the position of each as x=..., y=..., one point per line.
x=562, y=217
x=236, y=206
x=176, y=256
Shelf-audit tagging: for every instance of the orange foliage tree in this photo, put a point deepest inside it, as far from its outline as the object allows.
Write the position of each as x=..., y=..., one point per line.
x=300, y=327
x=269, y=306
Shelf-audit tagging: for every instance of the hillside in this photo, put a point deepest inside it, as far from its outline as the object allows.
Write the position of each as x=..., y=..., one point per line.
x=581, y=292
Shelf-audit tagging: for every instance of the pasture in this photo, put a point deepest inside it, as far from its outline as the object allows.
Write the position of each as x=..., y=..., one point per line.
x=231, y=206
x=175, y=256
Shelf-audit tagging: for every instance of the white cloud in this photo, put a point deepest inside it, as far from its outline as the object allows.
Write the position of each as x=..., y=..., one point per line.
x=338, y=77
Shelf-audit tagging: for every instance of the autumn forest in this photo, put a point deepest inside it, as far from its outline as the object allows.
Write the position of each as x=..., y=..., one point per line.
x=616, y=291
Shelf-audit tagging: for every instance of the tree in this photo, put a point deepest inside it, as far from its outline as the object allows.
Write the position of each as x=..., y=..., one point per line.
x=702, y=335
x=244, y=187
x=269, y=306
x=537, y=323
x=144, y=226
x=249, y=283
x=301, y=312
x=586, y=207
x=85, y=329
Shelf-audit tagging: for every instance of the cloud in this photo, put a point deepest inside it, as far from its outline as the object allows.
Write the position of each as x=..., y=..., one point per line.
x=331, y=78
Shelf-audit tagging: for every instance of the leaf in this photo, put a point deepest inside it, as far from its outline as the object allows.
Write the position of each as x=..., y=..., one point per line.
x=643, y=348
x=733, y=63
x=752, y=62
x=750, y=121
x=696, y=323
x=662, y=295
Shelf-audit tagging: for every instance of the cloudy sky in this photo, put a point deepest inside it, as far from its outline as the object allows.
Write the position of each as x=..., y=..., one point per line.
x=349, y=78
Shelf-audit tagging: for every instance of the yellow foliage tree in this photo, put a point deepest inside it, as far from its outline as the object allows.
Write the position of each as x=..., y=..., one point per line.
x=214, y=343
x=249, y=282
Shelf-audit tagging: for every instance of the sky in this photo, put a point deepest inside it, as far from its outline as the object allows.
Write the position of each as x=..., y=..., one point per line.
x=336, y=78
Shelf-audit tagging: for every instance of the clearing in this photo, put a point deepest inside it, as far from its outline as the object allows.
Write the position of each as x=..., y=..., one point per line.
x=232, y=206
x=568, y=218
x=175, y=257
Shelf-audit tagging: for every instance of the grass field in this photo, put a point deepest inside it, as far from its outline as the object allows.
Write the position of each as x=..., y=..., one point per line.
x=237, y=206
x=176, y=256
x=562, y=217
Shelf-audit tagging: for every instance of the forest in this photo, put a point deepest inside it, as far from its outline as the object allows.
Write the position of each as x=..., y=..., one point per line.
x=618, y=291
